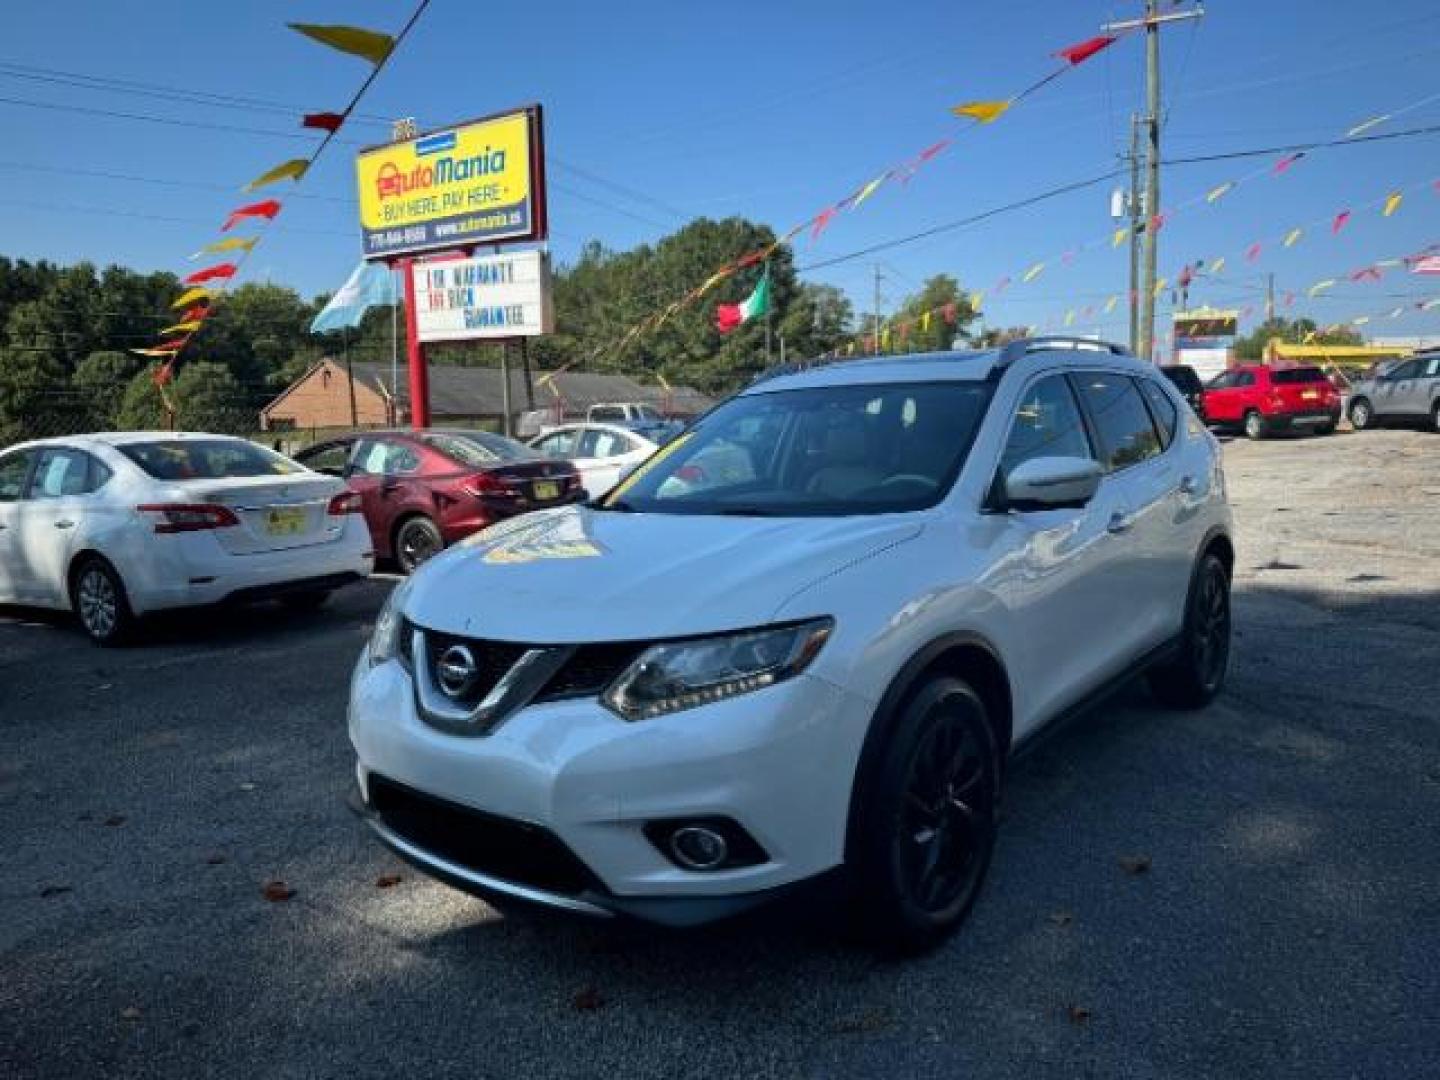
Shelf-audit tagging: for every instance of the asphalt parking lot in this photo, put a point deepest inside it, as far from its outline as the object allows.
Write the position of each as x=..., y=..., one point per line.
x=1245, y=891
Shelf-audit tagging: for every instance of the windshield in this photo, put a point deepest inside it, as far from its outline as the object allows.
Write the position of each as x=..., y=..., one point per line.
x=481, y=449
x=826, y=451
x=207, y=459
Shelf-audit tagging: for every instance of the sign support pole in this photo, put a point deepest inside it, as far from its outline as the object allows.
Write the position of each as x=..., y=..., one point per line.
x=506, y=406
x=415, y=354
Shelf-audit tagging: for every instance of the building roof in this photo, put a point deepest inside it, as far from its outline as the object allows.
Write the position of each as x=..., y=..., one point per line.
x=478, y=391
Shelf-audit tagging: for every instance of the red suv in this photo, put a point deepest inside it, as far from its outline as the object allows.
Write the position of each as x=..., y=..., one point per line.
x=423, y=490
x=1262, y=400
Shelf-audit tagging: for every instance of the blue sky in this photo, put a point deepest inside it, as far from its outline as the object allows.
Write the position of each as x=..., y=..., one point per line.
x=656, y=111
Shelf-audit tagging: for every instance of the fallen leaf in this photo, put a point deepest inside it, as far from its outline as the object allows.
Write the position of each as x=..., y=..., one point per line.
x=277, y=891
x=1062, y=918
x=215, y=859
x=130, y=1012
x=114, y=819
x=386, y=881
x=1135, y=865
x=55, y=890
x=1078, y=1015
x=588, y=1000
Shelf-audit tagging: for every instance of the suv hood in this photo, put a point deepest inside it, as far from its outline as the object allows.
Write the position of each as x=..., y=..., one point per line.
x=578, y=575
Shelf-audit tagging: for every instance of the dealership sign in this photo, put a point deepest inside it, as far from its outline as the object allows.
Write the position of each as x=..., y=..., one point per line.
x=494, y=296
x=478, y=183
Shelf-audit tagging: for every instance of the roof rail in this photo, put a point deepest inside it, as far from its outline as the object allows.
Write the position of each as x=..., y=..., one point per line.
x=1017, y=350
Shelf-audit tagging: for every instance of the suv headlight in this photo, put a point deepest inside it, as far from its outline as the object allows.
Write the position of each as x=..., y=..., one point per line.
x=684, y=674
x=389, y=625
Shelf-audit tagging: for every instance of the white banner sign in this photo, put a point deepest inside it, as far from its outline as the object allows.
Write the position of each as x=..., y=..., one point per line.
x=493, y=296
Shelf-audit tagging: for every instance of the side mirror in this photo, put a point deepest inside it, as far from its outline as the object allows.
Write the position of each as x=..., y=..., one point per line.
x=1052, y=483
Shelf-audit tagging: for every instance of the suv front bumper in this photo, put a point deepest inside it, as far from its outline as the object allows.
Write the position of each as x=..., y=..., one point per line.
x=581, y=784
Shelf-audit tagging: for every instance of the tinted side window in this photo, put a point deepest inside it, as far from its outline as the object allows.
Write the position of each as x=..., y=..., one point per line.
x=13, y=470
x=561, y=444
x=1161, y=408
x=1127, y=434
x=1244, y=378
x=1047, y=424
x=1407, y=370
x=607, y=413
x=62, y=472
x=330, y=458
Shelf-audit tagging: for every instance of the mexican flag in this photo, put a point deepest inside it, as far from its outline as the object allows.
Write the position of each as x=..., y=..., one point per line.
x=729, y=316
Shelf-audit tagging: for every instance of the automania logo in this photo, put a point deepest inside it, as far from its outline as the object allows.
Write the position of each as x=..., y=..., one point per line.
x=390, y=182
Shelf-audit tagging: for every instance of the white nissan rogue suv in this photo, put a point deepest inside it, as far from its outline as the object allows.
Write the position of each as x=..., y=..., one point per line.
x=803, y=637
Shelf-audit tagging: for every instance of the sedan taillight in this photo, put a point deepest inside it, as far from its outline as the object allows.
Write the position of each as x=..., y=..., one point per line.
x=347, y=502
x=189, y=517
x=482, y=484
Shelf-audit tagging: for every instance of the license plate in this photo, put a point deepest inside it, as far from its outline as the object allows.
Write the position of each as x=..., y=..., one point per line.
x=284, y=521
x=1309, y=395
x=546, y=489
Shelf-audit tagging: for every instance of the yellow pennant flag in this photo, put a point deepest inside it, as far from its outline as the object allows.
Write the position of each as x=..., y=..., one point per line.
x=230, y=243
x=188, y=327
x=1160, y=286
x=1220, y=192
x=1120, y=235
x=925, y=320
x=1361, y=321
x=1397, y=313
x=1321, y=286
x=885, y=338
x=711, y=282
x=977, y=300
x=869, y=189
x=1360, y=129
x=349, y=39
x=1308, y=338
x=1034, y=272
x=1069, y=316
x=193, y=296
x=1217, y=265
x=1388, y=263
x=293, y=169
x=1392, y=203
x=1110, y=304
x=986, y=112
x=155, y=352
x=1293, y=237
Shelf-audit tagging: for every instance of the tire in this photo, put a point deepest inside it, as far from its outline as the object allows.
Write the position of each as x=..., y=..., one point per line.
x=924, y=826
x=417, y=539
x=1435, y=417
x=1193, y=678
x=1362, y=414
x=1254, y=425
x=309, y=600
x=100, y=603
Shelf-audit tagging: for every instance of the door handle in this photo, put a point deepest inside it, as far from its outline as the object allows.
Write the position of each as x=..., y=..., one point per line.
x=1119, y=522
x=65, y=524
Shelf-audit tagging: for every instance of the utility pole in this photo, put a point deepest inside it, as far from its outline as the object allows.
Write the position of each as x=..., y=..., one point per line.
x=1152, y=22
x=1269, y=296
x=1134, y=206
x=875, y=326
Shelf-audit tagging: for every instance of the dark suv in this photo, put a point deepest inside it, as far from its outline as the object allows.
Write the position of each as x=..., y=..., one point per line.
x=1188, y=383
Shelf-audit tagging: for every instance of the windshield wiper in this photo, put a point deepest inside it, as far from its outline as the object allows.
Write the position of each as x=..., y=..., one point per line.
x=746, y=511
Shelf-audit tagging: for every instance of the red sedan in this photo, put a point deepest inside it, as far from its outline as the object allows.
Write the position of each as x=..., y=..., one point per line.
x=423, y=490
x=1260, y=400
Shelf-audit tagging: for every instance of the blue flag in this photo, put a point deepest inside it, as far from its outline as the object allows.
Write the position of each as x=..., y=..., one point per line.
x=371, y=285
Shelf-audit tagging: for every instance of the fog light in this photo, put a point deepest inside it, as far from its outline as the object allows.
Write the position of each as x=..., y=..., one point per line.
x=697, y=848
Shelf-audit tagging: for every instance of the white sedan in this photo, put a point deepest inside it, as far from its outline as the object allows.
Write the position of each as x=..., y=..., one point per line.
x=602, y=453
x=118, y=525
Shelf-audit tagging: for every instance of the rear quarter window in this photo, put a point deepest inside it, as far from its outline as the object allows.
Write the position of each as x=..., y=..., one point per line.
x=1294, y=376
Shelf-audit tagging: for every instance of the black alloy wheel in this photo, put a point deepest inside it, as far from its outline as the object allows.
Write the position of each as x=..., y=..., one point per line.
x=1197, y=673
x=417, y=539
x=927, y=829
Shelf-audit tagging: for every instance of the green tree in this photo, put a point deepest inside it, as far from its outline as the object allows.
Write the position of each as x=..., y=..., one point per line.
x=208, y=398
x=141, y=406
x=35, y=397
x=1251, y=347
x=100, y=381
x=939, y=295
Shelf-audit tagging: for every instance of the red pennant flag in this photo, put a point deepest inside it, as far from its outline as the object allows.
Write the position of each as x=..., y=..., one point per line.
x=930, y=151
x=1252, y=253
x=211, y=273
x=266, y=209
x=1367, y=273
x=821, y=220
x=1339, y=222
x=1001, y=285
x=1284, y=163
x=948, y=312
x=1187, y=275
x=174, y=344
x=1067, y=257
x=323, y=121
x=1082, y=51
x=1289, y=299
x=1158, y=221
x=1088, y=310
x=162, y=374
x=199, y=311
